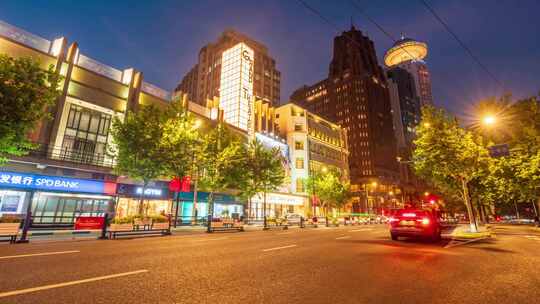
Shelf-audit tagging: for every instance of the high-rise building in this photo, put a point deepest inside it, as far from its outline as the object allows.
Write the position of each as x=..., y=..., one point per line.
x=355, y=95
x=409, y=54
x=204, y=80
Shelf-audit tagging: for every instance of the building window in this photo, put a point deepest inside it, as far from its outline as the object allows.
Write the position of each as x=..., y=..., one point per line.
x=299, y=145
x=299, y=163
x=298, y=127
x=299, y=185
x=85, y=136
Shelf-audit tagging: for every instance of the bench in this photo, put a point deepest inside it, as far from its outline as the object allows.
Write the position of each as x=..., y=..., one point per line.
x=10, y=230
x=277, y=223
x=129, y=229
x=226, y=225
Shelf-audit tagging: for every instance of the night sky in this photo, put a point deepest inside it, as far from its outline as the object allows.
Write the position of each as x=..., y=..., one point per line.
x=163, y=38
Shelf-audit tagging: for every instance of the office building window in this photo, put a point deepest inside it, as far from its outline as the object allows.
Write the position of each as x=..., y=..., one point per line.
x=299, y=145
x=299, y=185
x=299, y=163
x=298, y=127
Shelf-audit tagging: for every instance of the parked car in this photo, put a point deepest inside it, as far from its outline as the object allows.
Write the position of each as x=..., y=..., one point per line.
x=415, y=223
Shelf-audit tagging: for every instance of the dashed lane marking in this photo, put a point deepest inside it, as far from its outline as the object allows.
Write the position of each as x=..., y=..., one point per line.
x=37, y=254
x=281, y=233
x=278, y=248
x=342, y=237
x=359, y=230
x=52, y=286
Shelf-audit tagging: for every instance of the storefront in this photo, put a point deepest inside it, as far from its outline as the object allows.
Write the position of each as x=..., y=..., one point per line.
x=157, y=201
x=225, y=205
x=55, y=201
x=278, y=205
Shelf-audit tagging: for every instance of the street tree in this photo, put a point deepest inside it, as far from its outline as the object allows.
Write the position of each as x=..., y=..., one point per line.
x=329, y=188
x=263, y=172
x=220, y=157
x=180, y=141
x=448, y=156
x=26, y=93
x=137, y=147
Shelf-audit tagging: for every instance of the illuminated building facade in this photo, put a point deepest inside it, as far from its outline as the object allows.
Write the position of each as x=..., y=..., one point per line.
x=236, y=85
x=355, y=96
x=203, y=81
x=409, y=54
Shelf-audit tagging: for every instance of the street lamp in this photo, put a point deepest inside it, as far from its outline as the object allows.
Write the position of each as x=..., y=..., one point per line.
x=489, y=120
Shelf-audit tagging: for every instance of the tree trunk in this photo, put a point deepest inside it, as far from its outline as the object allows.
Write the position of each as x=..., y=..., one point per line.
x=517, y=210
x=210, y=210
x=265, y=226
x=141, y=199
x=466, y=200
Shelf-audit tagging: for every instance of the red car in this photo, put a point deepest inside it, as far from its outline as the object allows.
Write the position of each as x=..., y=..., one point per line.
x=415, y=223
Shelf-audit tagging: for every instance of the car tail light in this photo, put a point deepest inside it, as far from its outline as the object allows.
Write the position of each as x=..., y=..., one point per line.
x=424, y=221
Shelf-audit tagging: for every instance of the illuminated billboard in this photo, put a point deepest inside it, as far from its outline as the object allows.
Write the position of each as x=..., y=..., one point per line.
x=236, y=86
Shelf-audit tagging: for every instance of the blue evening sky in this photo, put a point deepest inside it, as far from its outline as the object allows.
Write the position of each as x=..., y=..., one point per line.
x=162, y=38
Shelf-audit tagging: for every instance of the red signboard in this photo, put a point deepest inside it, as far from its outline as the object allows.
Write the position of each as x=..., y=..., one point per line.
x=180, y=184
x=89, y=222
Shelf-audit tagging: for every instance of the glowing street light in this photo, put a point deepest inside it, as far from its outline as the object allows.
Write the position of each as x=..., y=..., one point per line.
x=489, y=120
x=374, y=184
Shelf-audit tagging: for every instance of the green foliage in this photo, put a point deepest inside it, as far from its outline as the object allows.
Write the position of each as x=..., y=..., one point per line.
x=137, y=140
x=179, y=141
x=262, y=170
x=220, y=156
x=332, y=190
x=448, y=156
x=26, y=91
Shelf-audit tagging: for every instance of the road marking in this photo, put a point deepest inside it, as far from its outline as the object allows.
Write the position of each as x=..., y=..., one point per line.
x=278, y=248
x=283, y=233
x=533, y=237
x=37, y=254
x=359, y=230
x=342, y=237
x=214, y=239
x=52, y=286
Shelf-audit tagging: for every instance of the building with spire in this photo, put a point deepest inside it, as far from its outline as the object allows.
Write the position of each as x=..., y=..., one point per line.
x=355, y=95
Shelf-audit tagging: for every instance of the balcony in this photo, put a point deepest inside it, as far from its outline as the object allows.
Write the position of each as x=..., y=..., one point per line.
x=74, y=156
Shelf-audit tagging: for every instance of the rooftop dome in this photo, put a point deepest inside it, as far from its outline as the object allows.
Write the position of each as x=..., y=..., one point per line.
x=405, y=49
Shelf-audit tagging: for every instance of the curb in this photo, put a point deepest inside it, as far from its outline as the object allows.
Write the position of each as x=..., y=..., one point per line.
x=42, y=233
x=473, y=235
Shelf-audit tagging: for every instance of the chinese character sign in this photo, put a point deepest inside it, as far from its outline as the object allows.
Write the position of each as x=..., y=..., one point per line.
x=51, y=183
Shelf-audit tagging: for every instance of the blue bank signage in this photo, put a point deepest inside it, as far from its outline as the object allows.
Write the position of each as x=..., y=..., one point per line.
x=54, y=183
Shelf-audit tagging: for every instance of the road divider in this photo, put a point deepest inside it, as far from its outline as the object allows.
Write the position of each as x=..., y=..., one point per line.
x=37, y=254
x=70, y=283
x=278, y=248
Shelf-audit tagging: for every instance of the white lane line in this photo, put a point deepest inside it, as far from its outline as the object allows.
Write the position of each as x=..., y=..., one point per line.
x=214, y=239
x=278, y=248
x=37, y=254
x=533, y=237
x=343, y=237
x=45, y=287
x=281, y=233
x=359, y=230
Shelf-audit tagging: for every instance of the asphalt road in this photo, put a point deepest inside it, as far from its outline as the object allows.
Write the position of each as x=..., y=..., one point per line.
x=322, y=265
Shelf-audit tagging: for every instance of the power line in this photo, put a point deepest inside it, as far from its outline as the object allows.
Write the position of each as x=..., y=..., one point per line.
x=320, y=15
x=461, y=43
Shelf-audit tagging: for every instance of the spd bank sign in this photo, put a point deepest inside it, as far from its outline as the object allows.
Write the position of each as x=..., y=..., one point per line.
x=54, y=183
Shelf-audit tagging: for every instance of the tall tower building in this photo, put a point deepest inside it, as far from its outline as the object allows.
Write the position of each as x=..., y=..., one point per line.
x=355, y=95
x=204, y=80
x=409, y=54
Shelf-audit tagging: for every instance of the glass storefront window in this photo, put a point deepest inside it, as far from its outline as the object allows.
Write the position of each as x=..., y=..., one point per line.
x=51, y=208
x=130, y=206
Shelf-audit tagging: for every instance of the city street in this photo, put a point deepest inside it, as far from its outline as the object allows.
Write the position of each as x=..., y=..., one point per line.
x=357, y=264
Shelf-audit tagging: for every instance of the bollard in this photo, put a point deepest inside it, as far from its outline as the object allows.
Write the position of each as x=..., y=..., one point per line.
x=326, y=219
x=302, y=222
x=104, y=227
